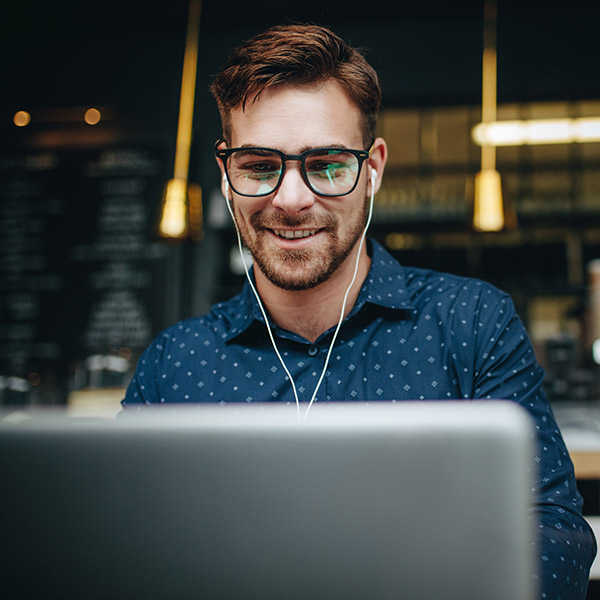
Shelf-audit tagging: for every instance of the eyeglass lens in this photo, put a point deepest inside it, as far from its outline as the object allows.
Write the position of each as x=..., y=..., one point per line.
x=256, y=172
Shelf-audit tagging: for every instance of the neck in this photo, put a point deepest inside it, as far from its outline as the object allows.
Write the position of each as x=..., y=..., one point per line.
x=311, y=312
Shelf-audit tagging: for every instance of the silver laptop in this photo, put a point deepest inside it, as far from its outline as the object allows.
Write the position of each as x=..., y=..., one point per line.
x=353, y=501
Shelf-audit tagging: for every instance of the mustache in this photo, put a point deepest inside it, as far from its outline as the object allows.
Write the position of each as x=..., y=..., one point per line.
x=260, y=221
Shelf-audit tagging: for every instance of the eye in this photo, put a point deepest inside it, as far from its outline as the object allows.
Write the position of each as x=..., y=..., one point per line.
x=329, y=167
x=261, y=170
x=325, y=166
x=256, y=165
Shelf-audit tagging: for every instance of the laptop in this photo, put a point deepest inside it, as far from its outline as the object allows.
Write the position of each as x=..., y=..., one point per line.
x=411, y=500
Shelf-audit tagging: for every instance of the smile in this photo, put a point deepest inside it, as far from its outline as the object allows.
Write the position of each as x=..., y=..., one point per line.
x=293, y=234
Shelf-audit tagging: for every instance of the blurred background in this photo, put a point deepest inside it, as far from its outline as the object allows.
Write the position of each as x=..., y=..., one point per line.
x=98, y=114
x=89, y=115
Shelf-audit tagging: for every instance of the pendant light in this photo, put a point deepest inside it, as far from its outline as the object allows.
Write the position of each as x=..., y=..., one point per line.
x=488, y=213
x=182, y=200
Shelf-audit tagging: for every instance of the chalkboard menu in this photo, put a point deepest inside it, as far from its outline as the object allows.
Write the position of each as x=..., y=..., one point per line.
x=83, y=276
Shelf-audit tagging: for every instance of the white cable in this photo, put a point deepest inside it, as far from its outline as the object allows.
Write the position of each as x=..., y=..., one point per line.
x=260, y=304
x=343, y=310
x=337, y=329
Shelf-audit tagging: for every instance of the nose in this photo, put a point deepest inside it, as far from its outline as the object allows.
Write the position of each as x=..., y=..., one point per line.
x=293, y=195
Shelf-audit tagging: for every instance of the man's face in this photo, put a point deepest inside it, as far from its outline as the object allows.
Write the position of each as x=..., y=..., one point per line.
x=297, y=238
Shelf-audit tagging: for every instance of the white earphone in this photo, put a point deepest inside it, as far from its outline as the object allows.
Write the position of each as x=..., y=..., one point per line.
x=343, y=308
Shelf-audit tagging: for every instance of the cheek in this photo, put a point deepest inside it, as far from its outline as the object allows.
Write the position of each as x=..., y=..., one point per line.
x=354, y=208
x=244, y=211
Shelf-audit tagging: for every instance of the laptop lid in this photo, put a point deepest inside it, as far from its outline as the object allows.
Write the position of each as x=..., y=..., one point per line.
x=407, y=500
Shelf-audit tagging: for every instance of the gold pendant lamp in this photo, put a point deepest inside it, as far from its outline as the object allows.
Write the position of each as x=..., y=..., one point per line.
x=488, y=213
x=182, y=202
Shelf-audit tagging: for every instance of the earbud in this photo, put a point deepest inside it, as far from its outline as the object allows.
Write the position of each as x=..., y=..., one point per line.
x=226, y=184
x=373, y=176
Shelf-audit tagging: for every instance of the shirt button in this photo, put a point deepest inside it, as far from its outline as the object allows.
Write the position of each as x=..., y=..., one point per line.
x=312, y=350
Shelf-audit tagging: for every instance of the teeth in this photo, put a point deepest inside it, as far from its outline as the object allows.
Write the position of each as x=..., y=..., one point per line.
x=292, y=234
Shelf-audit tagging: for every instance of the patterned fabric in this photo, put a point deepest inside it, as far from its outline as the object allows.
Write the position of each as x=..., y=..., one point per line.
x=412, y=334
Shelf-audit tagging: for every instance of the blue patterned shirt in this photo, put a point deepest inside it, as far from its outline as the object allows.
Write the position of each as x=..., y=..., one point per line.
x=413, y=334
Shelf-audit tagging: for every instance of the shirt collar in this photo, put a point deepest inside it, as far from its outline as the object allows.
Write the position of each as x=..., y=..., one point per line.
x=385, y=285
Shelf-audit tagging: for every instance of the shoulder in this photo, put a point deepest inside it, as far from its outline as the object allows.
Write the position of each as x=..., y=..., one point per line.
x=222, y=321
x=437, y=283
x=467, y=305
x=435, y=293
x=428, y=283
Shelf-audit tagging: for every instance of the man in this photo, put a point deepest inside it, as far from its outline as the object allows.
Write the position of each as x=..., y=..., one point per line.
x=328, y=317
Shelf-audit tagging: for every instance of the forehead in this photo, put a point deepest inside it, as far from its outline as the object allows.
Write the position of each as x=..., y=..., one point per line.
x=289, y=117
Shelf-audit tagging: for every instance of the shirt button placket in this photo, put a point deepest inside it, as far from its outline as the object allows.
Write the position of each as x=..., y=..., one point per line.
x=312, y=350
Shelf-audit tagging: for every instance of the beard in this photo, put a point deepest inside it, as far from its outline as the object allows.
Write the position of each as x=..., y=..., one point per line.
x=295, y=270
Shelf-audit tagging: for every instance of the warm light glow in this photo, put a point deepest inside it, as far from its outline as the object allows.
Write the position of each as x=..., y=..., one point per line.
x=174, y=221
x=395, y=241
x=22, y=118
x=488, y=210
x=92, y=116
x=537, y=131
x=177, y=220
x=488, y=214
x=195, y=211
x=34, y=379
x=399, y=241
x=188, y=91
x=125, y=353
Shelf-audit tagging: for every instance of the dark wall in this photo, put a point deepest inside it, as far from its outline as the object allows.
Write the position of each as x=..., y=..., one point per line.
x=126, y=57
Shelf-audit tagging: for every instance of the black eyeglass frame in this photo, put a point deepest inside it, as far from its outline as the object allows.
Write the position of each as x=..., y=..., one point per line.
x=223, y=155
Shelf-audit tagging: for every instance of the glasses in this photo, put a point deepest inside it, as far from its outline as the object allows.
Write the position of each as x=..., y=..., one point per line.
x=259, y=171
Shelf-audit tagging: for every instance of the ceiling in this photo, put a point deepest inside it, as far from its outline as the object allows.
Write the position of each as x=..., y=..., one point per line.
x=69, y=52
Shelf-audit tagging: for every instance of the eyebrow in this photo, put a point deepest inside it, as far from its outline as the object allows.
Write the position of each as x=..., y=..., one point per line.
x=303, y=149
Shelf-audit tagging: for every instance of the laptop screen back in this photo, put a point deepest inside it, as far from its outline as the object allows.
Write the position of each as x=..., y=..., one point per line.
x=407, y=500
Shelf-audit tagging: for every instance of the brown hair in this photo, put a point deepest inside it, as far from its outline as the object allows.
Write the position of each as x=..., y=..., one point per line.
x=296, y=54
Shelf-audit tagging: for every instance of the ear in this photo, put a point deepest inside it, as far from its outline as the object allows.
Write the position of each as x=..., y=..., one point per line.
x=377, y=162
x=224, y=182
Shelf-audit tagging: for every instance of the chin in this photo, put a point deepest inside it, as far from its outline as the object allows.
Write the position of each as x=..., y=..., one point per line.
x=297, y=273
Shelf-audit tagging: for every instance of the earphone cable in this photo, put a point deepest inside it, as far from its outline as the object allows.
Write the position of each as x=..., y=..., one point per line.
x=264, y=314
x=260, y=305
x=337, y=329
